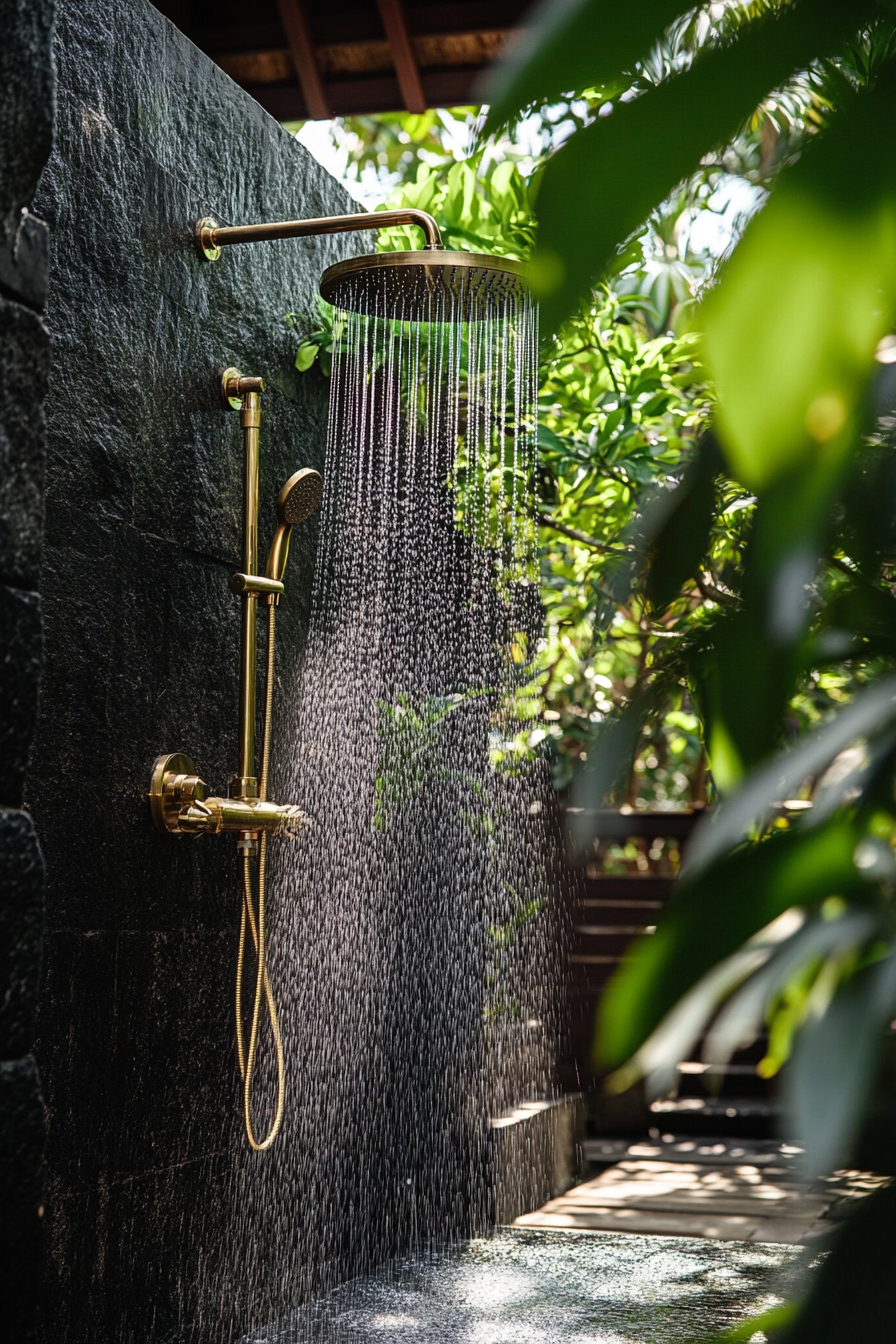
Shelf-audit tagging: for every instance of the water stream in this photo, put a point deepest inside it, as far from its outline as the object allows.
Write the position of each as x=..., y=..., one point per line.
x=415, y=944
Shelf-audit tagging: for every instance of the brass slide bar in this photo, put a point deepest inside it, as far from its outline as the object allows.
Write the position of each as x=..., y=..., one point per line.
x=245, y=785
x=211, y=237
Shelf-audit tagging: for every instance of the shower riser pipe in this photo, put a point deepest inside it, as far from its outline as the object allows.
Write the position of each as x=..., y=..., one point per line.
x=245, y=785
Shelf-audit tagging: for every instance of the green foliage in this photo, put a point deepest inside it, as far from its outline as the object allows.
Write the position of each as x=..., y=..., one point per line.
x=577, y=46
x=501, y=1002
x=769, y=1323
x=409, y=735
x=804, y=301
x=602, y=184
x=481, y=206
x=785, y=918
x=390, y=145
x=318, y=343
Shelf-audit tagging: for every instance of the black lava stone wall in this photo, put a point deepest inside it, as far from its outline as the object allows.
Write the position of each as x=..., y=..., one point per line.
x=143, y=500
x=26, y=124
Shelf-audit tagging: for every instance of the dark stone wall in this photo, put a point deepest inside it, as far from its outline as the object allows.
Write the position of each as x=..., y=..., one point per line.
x=26, y=128
x=142, y=531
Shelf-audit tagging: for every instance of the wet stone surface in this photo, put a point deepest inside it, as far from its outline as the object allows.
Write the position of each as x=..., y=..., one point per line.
x=524, y=1287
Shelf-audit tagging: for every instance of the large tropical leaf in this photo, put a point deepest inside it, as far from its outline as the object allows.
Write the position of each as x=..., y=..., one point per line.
x=712, y=916
x=871, y=712
x=828, y=1081
x=605, y=181
x=571, y=45
x=792, y=326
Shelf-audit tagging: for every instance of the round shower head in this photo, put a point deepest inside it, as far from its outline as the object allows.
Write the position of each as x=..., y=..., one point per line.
x=424, y=286
x=299, y=497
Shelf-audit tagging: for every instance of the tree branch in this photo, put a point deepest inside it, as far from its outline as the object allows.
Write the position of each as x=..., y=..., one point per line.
x=575, y=535
x=712, y=593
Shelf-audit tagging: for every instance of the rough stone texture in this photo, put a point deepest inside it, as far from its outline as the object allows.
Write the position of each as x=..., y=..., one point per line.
x=21, y=915
x=26, y=121
x=24, y=264
x=141, y=635
x=26, y=134
x=20, y=666
x=22, y=1134
x=24, y=366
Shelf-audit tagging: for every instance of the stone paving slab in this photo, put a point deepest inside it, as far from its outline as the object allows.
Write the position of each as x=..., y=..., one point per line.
x=730, y=1201
x=659, y=1223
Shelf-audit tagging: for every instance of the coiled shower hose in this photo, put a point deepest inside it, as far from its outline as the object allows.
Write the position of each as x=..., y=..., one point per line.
x=259, y=938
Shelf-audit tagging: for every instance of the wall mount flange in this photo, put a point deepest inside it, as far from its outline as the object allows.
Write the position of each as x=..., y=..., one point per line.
x=173, y=786
x=230, y=380
x=203, y=235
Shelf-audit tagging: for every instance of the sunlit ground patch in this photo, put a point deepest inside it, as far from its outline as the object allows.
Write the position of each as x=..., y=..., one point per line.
x=522, y=1287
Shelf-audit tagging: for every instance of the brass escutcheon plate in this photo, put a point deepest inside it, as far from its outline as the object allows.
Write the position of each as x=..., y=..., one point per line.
x=228, y=378
x=201, y=233
x=161, y=801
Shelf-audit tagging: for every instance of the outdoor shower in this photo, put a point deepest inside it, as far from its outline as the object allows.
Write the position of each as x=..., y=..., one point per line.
x=432, y=289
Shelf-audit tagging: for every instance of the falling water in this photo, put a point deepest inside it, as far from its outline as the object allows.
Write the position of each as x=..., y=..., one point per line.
x=414, y=947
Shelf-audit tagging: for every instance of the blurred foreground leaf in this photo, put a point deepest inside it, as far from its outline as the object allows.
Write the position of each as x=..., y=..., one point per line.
x=769, y=1322
x=572, y=45
x=607, y=178
x=871, y=711
x=711, y=917
x=853, y=1297
x=792, y=326
x=611, y=763
x=829, y=1080
x=679, y=525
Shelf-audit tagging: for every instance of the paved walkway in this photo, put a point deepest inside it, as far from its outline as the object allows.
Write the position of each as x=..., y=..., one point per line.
x=729, y=1191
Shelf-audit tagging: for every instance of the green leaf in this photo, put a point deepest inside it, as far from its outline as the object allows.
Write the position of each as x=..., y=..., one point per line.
x=804, y=300
x=609, y=764
x=574, y=45
x=742, y=1018
x=306, y=355
x=829, y=1079
x=871, y=711
x=852, y=1299
x=553, y=442
x=711, y=917
x=678, y=526
x=606, y=180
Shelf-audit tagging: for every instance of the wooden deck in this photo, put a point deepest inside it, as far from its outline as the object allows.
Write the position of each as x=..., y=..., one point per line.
x=731, y=1193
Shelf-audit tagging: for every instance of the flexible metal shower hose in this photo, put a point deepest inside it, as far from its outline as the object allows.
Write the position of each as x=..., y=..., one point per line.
x=258, y=931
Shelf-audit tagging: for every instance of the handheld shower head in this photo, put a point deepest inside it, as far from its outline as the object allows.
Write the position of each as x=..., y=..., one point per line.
x=298, y=499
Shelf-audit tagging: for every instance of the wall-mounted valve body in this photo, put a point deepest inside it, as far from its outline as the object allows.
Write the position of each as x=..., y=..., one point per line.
x=178, y=798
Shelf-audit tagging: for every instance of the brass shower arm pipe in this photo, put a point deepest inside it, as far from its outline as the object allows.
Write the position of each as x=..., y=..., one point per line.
x=211, y=237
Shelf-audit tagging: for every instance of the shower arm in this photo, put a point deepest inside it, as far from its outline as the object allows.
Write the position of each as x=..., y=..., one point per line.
x=212, y=237
x=177, y=795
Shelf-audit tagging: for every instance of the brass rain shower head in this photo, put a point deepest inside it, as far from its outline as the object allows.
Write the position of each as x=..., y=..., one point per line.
x=298, y=499
x=426, y=286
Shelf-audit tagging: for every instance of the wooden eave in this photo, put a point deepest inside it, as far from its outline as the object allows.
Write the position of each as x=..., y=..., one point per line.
x=303, y=59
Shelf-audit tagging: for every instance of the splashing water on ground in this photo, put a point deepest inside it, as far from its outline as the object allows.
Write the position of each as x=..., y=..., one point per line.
x=552, y=1288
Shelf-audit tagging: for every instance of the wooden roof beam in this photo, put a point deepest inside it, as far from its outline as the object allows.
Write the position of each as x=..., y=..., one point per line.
x=301, y=48
x=399, y=38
